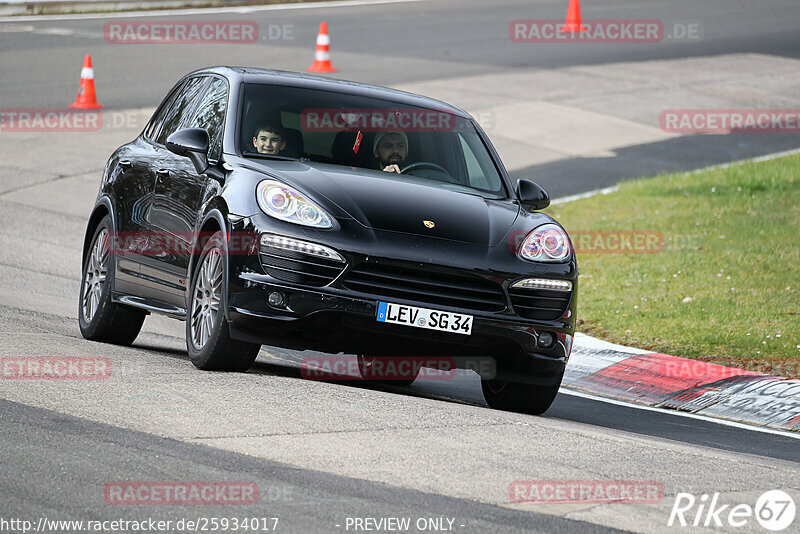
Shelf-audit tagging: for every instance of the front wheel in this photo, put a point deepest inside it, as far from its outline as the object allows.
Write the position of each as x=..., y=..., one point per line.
x=518, y=397
x=208, y=337
x=100, y=319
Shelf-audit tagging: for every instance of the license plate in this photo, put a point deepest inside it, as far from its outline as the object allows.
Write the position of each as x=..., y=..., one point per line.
x=442, y=321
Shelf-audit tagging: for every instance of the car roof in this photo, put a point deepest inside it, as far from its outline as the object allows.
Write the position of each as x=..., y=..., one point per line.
x=310, y=81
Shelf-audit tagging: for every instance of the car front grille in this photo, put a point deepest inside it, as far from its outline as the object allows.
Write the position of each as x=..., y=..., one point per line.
x=457, y=290
x=298, y=267
x=541, y=304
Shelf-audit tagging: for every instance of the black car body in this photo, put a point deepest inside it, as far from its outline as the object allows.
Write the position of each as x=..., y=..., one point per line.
x=186, y=197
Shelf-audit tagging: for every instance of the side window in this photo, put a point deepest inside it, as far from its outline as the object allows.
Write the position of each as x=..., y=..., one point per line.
x=475, y=174
x=158, y=118
x=210, y=115
x=183, y=104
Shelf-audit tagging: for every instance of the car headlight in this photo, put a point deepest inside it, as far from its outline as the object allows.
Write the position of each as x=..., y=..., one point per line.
x=548, y=242
x=288, y=204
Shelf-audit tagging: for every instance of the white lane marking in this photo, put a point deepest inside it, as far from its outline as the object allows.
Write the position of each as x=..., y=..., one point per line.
x=758, y=159
x=15, y=28
x=55, y=31
x=201, y=11
x=613, y=188
x=579, y=196
x=588, y=343
x=677, y=413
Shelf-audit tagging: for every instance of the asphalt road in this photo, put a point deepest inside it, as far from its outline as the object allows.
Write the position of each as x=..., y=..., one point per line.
x=71, y=460
x=323, y=452
x=389, y=44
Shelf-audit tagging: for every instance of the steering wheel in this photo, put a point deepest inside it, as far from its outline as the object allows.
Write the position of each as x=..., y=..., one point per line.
x=431, y=166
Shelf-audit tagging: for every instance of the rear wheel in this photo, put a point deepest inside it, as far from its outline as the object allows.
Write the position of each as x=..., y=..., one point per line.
x=99, y=318
x=518, y=397
x=208, y=337
x=372, y=368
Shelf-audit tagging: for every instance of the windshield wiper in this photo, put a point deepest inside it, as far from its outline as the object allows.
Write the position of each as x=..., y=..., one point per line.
x=268, y=156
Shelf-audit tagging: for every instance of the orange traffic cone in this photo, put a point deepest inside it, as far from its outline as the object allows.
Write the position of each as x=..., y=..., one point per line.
x=573, y=22
x=86, y=96
x=322, y=58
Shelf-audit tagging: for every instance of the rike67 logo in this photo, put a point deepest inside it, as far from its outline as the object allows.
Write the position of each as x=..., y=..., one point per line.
x=774, y=510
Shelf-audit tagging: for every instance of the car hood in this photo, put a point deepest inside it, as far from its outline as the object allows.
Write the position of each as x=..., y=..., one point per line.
x=396, y=203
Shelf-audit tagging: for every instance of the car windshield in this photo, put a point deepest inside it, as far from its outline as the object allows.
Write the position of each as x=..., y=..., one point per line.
x=279, y=122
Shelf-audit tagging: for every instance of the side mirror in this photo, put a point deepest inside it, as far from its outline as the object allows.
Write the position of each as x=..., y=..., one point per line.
x=531, y=195
x=191, y=143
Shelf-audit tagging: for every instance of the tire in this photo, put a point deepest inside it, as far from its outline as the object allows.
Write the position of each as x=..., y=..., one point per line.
x=367, y=372
x=208, y=337
x=99, y=318
x=517, y=397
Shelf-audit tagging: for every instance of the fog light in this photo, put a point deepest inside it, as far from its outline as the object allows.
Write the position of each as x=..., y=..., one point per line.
x=276, y=299
x=547, y=340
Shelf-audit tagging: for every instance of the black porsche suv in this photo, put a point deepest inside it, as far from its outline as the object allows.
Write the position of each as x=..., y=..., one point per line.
x=317, y=244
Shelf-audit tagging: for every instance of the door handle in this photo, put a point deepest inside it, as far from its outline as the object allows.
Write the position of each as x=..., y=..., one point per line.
x=161, y=174
x=125, y=164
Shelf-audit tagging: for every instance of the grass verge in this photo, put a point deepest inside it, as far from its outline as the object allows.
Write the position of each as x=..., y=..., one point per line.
x=704, y=265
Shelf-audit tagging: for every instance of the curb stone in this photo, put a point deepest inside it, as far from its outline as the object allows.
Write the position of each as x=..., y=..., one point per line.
x=670, y=382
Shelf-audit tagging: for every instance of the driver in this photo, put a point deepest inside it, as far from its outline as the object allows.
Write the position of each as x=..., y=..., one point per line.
x=391, y=149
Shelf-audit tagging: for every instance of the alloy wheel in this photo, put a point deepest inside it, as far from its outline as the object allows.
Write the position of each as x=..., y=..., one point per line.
x=206, y=296
x=95, y=276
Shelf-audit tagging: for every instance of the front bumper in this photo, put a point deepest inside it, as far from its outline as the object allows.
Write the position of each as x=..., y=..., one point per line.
x=334, y=318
